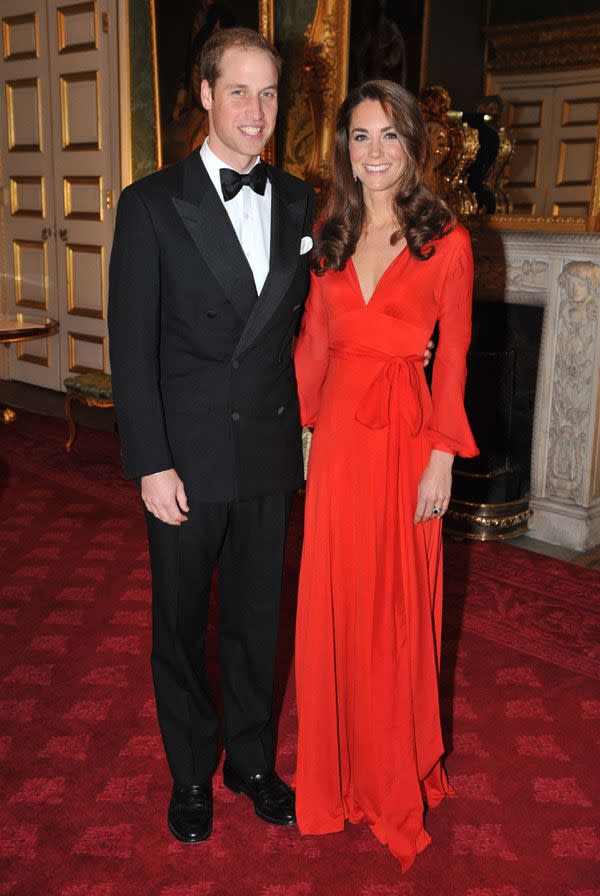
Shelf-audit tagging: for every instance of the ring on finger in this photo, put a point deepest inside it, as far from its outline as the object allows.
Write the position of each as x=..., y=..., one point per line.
x=436, y=511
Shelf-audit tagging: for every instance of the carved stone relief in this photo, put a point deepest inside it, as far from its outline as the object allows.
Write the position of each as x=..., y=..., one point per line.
x=528, y=273
x=490, y=274
x=494, y=274
x=571, y=405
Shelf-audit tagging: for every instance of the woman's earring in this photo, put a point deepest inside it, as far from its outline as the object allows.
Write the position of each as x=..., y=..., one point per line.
x=354, y=174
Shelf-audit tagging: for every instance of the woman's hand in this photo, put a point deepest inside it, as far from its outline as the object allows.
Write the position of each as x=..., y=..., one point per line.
x=428, y=352
x=435, y=486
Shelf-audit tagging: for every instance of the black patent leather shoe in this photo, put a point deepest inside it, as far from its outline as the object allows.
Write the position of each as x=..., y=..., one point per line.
x=273, y=800
x=190, y=813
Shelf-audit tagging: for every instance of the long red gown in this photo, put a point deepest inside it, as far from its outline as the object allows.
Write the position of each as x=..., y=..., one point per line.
x=370, y=592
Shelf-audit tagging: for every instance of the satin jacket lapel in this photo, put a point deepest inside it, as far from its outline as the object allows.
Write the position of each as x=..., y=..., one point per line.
x=208, y=224
x=287, y=218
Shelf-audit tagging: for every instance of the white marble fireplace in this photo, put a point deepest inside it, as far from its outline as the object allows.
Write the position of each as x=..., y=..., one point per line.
x=561, y=272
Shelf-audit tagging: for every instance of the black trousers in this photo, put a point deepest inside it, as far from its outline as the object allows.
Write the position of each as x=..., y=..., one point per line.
x=246, y=541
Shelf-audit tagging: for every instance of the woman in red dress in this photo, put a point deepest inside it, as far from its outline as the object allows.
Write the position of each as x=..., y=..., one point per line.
x=391, y=262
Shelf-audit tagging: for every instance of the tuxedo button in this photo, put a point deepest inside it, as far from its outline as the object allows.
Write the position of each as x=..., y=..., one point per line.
x=281, y=410
x=235, y=364
x=211, y=314
x=235, y=416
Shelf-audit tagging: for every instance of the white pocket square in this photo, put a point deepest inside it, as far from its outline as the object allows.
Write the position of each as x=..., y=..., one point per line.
x=305, y=245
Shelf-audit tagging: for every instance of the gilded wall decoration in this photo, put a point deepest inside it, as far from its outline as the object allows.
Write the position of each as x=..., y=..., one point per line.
x=572, y=388
x=553, y=43
x=455, y=145
x=318, y=88
x=495, y=180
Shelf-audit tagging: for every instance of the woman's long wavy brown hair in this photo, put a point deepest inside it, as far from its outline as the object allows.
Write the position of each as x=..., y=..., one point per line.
x=422, y=216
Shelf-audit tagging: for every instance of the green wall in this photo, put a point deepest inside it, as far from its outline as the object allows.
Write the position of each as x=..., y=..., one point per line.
x=143, y=124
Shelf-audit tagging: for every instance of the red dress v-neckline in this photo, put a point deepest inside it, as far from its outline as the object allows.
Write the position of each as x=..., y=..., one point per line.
x=383, y=276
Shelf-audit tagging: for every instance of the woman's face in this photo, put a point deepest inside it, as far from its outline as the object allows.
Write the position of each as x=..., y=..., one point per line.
x=376, y=153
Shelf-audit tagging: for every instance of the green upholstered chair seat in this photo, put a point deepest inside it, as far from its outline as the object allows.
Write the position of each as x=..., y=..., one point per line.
x=90, y=385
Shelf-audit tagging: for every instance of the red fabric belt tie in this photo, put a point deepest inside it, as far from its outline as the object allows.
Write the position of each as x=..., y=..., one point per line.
x=384, y=391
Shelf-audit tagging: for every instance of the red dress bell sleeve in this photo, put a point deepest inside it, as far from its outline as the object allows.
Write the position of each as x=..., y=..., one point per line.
x=448, y=427
x=311, y=357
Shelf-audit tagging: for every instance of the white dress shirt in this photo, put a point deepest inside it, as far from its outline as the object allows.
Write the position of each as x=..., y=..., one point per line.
x=250, y=214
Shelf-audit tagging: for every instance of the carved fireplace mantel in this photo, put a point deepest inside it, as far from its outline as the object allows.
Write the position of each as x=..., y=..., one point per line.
x=561, y=272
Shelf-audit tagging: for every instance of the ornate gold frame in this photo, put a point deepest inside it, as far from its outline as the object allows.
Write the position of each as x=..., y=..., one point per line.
x=266, y=19
x=324, y=80
x=157, y=133
x=266, y=26
x=327, y=81
x=552, y=44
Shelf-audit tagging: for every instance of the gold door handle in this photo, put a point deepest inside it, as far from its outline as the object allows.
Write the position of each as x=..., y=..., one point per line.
x=46, y=233
x=63, y=234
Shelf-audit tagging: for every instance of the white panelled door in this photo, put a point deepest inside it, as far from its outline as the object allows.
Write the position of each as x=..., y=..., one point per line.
x=27, y=156
x=555, y=119
x=62, y=113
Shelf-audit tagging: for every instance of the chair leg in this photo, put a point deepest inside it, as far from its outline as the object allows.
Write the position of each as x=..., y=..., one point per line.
x=69, y=416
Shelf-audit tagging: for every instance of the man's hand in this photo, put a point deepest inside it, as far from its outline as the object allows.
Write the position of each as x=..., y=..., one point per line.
x=164, y=496
x=427, y=352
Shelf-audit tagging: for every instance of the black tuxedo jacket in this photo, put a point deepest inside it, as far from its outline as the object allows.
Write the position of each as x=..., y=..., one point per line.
x=202, y=374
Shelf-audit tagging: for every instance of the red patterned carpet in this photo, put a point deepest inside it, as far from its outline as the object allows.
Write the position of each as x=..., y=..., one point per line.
x=85, y=785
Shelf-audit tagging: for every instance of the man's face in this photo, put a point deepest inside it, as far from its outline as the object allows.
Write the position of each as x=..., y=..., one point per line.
x=242, y=107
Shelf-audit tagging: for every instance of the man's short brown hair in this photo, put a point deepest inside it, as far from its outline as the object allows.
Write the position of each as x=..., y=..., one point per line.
x=226, y=39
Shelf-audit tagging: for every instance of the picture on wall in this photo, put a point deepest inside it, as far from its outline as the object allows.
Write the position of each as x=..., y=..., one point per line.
x=182, y=29
x=385, y=41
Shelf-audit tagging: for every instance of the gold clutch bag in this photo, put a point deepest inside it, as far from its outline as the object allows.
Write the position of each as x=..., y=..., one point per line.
x=306, y=441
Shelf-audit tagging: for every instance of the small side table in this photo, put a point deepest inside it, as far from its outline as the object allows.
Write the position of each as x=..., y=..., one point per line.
x=91, y=389
x=21, y=328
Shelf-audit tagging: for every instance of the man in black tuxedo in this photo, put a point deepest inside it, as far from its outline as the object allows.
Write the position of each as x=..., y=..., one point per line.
x=208, y=276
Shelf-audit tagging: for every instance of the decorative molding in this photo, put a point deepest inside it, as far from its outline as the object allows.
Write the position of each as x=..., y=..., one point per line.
x=572, y=42
x=550, y=242
x=531, y=222
x=580, y=514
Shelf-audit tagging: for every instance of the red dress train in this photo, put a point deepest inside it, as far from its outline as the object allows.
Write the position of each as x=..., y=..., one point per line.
x=370, y=593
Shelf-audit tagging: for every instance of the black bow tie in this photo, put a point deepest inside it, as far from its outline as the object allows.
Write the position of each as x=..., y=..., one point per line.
x=232, y=182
